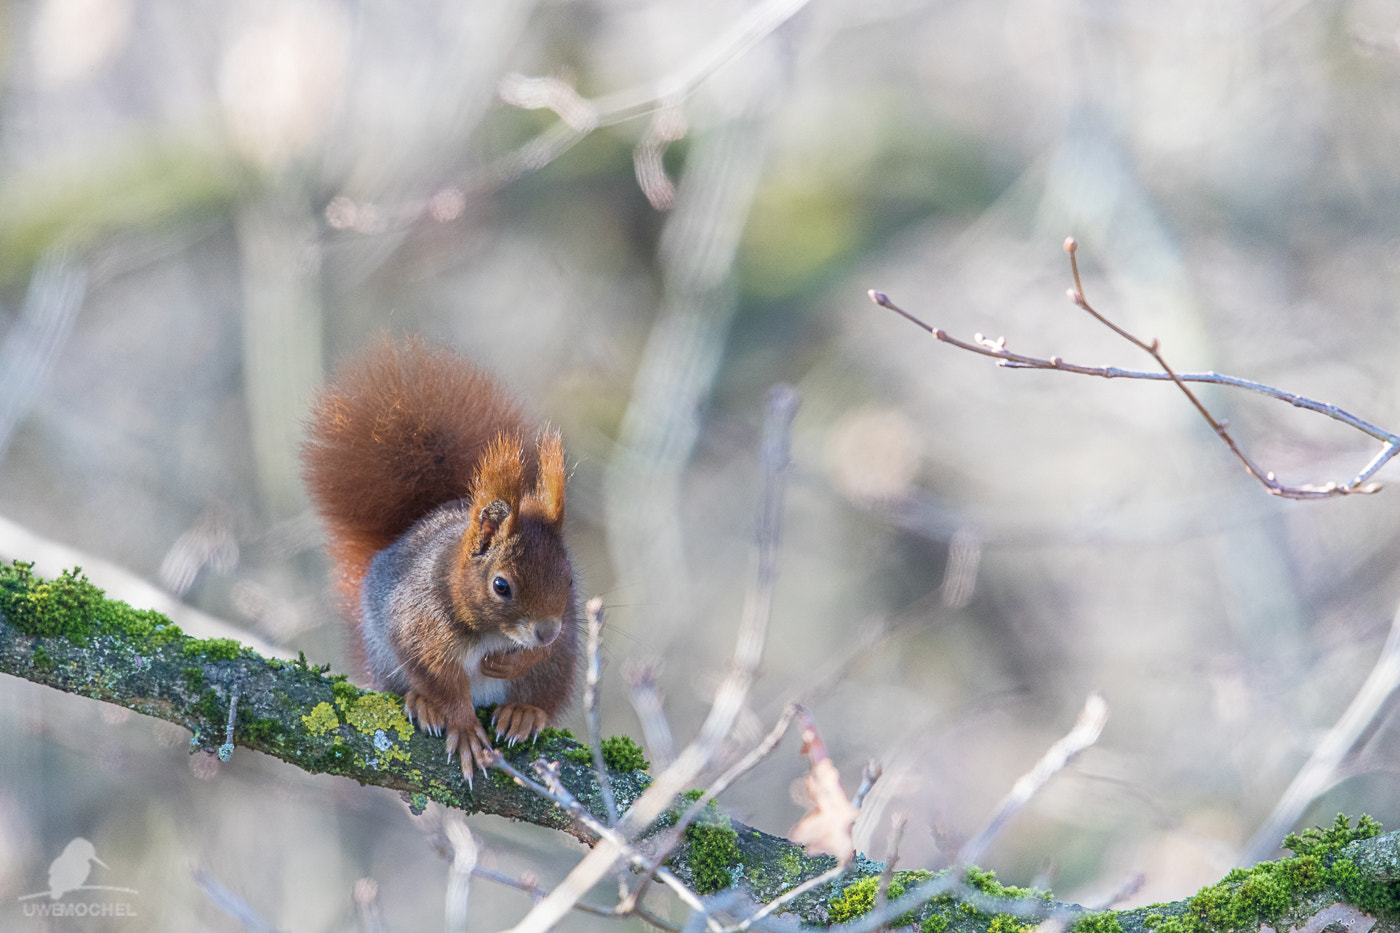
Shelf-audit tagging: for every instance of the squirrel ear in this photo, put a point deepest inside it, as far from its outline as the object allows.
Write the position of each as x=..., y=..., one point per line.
x=487, y=524
x=500, y=480
x=547, y=499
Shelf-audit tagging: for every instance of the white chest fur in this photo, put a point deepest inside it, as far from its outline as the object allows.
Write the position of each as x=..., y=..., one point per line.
x=485, y=689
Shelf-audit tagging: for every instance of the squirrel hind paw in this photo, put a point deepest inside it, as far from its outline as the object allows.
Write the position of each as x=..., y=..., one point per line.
x=475, y=747
x=426, y=715
x=518, y=722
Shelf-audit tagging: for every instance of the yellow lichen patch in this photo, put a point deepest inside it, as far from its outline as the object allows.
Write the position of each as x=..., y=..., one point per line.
x=320, y=720
x=373, y=711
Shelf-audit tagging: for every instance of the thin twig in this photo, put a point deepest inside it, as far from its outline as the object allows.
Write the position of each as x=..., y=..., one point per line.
x=674, y=834
x=1320, y=770
x=646, y=701
x=1085, y=733
x=594, y=611
x=868, y=776
x=538, y=892
x=459, y=874
x=886, y=876
x=996, y=349
x=611, y=843
x=829, y=875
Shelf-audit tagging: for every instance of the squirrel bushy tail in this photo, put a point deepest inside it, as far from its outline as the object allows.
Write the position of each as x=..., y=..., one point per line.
x=401, y=429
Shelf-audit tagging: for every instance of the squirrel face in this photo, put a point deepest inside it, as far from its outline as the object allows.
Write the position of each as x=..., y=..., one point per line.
x=513, y=576
x=520, y=587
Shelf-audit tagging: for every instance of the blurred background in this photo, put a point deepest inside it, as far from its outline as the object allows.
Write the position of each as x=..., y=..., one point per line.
x=643, y=214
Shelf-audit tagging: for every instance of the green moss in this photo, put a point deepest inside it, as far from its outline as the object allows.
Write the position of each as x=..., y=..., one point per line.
x=1005, y=923
x=859, y=898
x=714, y=847
x=1322, y=842
x=193, y=677
x=41, y=658
x=337, y=758
x=343, y=690
x=855, y=901
x=1265, y=893
x=550, y=734
x=263, y=732
x=620, y=753
x=934, y=923
x=579, y=756
x=209, y=708
x=211, y=649
x=69, y=607
x=985, y=881
x=1106, y=922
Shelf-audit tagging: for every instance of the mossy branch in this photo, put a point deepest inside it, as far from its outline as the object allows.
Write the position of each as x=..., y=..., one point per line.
x=66, y=634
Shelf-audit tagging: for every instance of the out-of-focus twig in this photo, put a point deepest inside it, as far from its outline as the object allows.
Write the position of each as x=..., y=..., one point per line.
x=646, y=701
x=675, y=833
x=594, y=611
x=579, y=116
x=37, y=337
x=539, y=893
x=1085, y=733
x=996, y=349
x=1321, y=770
x=459, y=875
x=221, y=897
x=365, y=895
x=577, y=883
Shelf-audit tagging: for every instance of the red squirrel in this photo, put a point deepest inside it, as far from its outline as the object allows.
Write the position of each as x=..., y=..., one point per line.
x=446, y=532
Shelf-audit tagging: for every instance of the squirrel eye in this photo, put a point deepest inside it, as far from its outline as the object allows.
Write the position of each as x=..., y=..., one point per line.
x=501, y=587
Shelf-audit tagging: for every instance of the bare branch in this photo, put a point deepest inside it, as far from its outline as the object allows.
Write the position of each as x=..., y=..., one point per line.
x=459, y=875
x=646, y=701
x=1085, y=733
x=594, y=610
x=996, y=349
x=674, y=835
x=1321, y=770
x=580, y=116
x=540, y=893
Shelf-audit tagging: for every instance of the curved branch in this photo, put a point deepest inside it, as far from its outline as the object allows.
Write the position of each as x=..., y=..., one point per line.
x=996, y=349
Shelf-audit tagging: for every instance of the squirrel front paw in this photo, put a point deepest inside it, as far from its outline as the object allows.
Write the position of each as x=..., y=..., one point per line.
x=517, y=722
x=420, y=710
x=509, y=665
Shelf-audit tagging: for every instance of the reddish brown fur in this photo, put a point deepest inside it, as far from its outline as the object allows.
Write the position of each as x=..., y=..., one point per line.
x=398, y=431
x=546, y=500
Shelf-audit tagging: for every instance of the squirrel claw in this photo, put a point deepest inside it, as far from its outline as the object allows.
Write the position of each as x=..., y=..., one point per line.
x=518, y=722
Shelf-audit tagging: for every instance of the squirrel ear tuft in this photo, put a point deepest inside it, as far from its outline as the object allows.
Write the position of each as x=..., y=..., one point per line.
x=496, y=492
x=547, y=499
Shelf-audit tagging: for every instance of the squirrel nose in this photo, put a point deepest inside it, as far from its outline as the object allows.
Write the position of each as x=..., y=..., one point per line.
x=547, y=630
